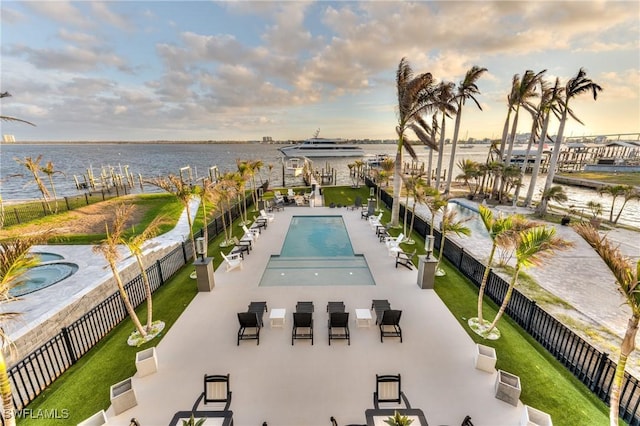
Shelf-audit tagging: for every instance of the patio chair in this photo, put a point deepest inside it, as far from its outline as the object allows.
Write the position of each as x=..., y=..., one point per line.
x=304, y=307
x=268, y=217
x=259, y=223
x=249, y=327
x=380, y=305
x=405, y=259
x=467, y=421
x=339, y=326
x=390, y=324
x=254, y=232
x=389, y=390
x=302, y=326
x=391, y=242
x=258, y=308
x=232, y=261
x=375, y=220
x=335, y=307
x=291, y=192
x=357, y=204
x=334, y=422
x=216, y=391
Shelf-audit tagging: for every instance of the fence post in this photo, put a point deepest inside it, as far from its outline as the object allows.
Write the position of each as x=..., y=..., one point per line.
x=184, y=252
x=595, y=382
x=460, y=261
x=86, y=198
x=159, y=266
x=66, y=201
x=15, y=211
x=67, y=342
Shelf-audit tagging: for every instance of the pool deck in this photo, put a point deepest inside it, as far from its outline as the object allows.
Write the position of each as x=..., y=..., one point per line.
x=298, y=385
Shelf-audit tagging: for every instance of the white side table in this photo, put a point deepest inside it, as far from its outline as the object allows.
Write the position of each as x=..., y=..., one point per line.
x=363, y=318
x=277, y=316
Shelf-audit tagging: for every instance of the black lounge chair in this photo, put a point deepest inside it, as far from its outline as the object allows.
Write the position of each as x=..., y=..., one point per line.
x=335, y=307
x=389, y=390
x=258, y=308
x=405, y=259
x=250, y=325
x=304, y=307
x=302, y=326
x=339, y=326
x=390, y=324
x=380, y=305
x=216, y=391
x=467, y=421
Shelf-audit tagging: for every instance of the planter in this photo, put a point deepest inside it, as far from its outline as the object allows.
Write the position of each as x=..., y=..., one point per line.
x=507, y=387
x=485, y=358
x=535, y=417
x=146, y=362
x=123, y=396
x=98, y=419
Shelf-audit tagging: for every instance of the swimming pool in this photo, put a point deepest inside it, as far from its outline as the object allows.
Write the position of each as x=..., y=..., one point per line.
x=317, y=251
x=43, y=276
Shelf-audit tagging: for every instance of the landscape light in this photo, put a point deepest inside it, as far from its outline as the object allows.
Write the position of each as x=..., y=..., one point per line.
x=201, y=249
x=428, y=244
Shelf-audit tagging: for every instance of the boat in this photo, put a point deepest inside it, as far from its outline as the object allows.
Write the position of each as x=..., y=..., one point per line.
x=323, y=147
x=377, y=159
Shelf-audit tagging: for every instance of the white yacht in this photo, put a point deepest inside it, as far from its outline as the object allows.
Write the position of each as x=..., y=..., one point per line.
x=323, y=147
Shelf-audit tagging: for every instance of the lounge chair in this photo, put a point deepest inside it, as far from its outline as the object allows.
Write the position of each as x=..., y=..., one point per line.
x=389, y=390
x=357, y=204
x=335, y=307
x=259, y=223
x=390, y=324
x=339, y=326
x=380, y=305
x=258, y=308
x=249, y=327
x=232, y=261
x=253, y=232
x=291, y=193
x=405, y=259
x=268, y=217
x=375, y=220
x=467, y=421
x=393, y=244
x=303, y=322
x=216, y=391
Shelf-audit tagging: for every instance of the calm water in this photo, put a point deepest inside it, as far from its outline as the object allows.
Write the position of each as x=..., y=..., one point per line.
x=150, y=160
x=316, y=236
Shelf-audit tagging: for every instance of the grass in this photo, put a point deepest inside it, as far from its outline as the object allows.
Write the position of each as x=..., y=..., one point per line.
x=547, y=385
x=610, y=178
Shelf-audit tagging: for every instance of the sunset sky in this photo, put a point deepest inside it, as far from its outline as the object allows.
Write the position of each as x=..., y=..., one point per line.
x=204, y=70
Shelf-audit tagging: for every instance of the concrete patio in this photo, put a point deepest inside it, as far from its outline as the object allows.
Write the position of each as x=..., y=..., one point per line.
x=304, y=385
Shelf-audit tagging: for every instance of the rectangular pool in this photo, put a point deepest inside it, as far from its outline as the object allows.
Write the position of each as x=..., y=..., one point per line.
x=317, y=251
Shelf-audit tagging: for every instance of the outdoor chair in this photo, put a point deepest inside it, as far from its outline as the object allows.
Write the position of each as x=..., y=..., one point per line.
x=268, y=217
x=304, y=307
x=258, y=308
x=380, y=305
x=467, y=421
x=405, y=259
x=302, y=326
x=339, y=326
x=334, y=422
x=390, y=324
x=357, y=204
x=335, y=307
x=259, y=223
x=232, y=261
x=389, y=390
x=393, y=244
x=253, y=232
x=216, y=391
x=249, y=327
x=375, y=220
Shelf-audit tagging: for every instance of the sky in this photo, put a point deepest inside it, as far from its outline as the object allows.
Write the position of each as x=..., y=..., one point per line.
x=205, y=70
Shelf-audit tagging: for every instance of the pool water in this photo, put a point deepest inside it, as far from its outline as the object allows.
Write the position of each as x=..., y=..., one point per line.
x=43, y=276
x=47, y=257
x=317, y=251
x=472, y=217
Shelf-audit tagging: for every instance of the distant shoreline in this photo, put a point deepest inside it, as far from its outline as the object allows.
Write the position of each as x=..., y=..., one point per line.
x=165, y=142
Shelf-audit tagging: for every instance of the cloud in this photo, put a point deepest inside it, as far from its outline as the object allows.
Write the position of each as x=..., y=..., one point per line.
x=11, y=16
x=62, y=11
x=70, y=58
x=103, y=14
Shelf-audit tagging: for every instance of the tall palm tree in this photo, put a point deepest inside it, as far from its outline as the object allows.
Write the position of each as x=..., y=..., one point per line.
x=435, y=202
x=134, y=244
x=628, y=193
x=627, y=278
x=50, y=171
x=445, y=102
x=109, y=250
x=14, y=263
x=175, y=185
x=255, y=166
x=450, y=223
x=533, y=246
x=467, y=89
x=470, y=170
x=414, y=100
x=225, y=191
x=548, y=104
x=33, y=165
x=243, y=175
x=414, y=187
x=7, y=118
x=494, y=151
x=575, y=86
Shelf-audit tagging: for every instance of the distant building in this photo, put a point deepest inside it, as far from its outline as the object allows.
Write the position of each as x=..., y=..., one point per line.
x=8, y=138
x=267, y=139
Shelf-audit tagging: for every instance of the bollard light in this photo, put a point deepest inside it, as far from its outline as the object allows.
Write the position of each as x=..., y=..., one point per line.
x=371, y=192
x=201, y=248
x=428, y=245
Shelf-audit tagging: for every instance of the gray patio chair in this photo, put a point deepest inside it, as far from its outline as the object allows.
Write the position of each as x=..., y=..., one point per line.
x=339, y=326
x=335, y=307
x=389, y=390
x=250, y=327
x=405, y=259
x=258, y=308
x=380, y=305
x=304, y=307
x=302, y=326
x=390, y=324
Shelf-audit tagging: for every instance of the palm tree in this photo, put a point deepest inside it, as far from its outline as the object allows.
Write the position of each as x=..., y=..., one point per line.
x=450, y=223
x=175, y=185
x=467, y=89
x=533, y=246
x=225, y=191
x=470, y=171
x=494, y=151
x=434, y=202
x=387, y=165
x=414, y=100
x=14, y=263
x=134, y=244
x=34, y=167
x=414, y=187
x=7, y=118
x=445, y=101
x=555, y=193
x=50, y=171
x=575, y=86
x=627, y=277
x=109, y=250
x=628, y=192
x=548, y=104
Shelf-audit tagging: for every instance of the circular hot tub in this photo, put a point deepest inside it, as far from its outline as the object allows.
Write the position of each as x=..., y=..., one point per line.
x=43, y=276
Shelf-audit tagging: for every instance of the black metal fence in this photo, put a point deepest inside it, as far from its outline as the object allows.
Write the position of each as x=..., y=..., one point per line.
x=35, y=372
x=591, y=366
